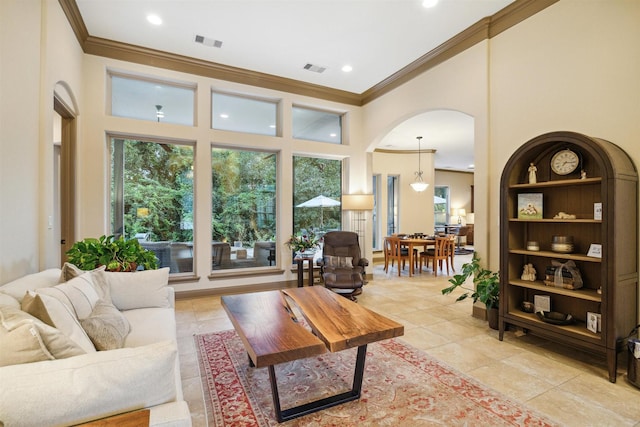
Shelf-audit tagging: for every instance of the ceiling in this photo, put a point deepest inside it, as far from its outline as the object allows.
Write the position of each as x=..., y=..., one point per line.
x=377, y=38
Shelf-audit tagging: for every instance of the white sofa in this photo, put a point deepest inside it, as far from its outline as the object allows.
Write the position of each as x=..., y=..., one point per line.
x=55, y=376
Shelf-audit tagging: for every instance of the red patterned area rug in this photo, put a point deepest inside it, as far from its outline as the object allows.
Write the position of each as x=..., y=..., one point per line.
x=402, y=386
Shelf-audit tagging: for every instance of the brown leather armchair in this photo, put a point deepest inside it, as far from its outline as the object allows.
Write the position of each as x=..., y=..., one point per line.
x=341, y=265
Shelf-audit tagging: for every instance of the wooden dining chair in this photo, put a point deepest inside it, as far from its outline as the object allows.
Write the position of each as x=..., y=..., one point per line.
x=440, y=253
x=397, y=253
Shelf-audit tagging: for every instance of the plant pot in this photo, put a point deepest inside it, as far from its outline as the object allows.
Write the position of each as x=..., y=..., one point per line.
x=492, y=316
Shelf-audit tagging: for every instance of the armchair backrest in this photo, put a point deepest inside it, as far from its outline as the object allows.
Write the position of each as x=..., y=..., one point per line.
x=342, y=243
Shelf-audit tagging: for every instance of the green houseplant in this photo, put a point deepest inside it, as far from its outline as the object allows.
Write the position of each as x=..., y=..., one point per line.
x=116, y=254
x=486, y=287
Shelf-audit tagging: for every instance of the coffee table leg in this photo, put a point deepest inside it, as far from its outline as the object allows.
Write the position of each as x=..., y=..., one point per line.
x=327, y=402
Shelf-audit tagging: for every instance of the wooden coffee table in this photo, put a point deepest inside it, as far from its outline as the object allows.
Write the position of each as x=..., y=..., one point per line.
x=271, y=334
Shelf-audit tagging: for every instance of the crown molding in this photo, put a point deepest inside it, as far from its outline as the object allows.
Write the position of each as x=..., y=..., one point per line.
x=484, y=29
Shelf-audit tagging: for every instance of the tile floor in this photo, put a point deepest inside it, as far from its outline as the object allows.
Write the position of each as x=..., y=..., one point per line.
x=569, y=386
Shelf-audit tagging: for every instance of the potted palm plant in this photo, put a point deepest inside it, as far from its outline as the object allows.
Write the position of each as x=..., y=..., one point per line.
x=116, y=254
x=486, y=287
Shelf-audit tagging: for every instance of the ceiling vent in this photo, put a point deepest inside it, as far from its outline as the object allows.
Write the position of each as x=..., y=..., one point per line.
x=207, y=41
x=315, y=68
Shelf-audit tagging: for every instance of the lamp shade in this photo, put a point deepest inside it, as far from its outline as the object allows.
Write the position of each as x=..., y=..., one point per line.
x=357, y=202
x=462, y=212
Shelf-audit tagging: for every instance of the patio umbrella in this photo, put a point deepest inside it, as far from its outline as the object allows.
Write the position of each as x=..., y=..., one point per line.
x=319, y=202
x=437, y=200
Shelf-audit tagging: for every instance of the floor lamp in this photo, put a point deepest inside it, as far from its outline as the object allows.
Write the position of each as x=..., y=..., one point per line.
x=358, y=203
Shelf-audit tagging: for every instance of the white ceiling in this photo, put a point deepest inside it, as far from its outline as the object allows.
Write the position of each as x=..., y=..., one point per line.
x=375, y=37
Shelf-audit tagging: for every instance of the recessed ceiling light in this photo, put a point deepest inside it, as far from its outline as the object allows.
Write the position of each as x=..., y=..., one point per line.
x=429, y=3
x=154, y=19
x=471, y=166
x=272, y=126
x=347, y=68
x=224, y=116
x=333, y=135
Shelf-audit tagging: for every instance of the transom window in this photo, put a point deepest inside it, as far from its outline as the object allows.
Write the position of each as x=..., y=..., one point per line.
x=244, y=114
x=152, y=100
x=317, y=125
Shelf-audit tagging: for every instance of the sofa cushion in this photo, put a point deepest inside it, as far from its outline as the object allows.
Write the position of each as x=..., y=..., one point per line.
x=140, y=289
x=88, y=387
x=55, y=313
x=19, y=287
x=106, y=326
x=25, y=339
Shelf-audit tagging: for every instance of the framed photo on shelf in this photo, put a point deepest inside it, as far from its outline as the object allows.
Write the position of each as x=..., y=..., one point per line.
x=530, y=206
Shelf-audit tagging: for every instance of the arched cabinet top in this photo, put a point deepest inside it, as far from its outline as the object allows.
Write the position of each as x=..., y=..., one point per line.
x=598, y=159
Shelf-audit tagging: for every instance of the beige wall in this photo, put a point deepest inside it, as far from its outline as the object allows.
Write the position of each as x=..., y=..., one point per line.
x=459, y=184
x=415, y=210
x=29, y=71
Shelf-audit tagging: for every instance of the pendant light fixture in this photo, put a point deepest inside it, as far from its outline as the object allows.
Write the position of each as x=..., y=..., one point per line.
x=419, y=185
x=159, y=113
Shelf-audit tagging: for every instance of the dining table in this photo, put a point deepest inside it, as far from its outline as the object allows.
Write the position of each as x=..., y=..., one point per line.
x=412, y=243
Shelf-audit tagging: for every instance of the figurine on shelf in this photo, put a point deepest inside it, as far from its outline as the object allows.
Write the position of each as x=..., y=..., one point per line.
x=529, y=273
x=583, y=174
x=564, y=215
x=532, y=173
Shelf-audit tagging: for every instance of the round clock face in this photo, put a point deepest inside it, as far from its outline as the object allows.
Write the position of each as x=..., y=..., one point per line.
x=564, y=162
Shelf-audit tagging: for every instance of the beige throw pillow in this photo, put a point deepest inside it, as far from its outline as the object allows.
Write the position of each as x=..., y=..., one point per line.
x=56, y=314
x=79, y=294
x=106, y=326
x=140, y=289
x=25, y=339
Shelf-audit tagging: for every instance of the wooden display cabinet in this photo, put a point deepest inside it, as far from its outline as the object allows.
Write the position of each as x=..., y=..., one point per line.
x=610, y=283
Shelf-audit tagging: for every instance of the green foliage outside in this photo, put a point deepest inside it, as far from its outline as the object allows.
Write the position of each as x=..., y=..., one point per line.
x=314, y=177
x=244, y=196
x=158, y=193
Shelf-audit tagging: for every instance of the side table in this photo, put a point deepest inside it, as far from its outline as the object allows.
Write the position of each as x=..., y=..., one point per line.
x=300, y=259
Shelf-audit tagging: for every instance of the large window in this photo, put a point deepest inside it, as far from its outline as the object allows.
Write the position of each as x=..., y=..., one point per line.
x=441, y=205
x=244, y=114
x=317, y=185
x=317, y=125
x=152, y=198
x=243, y=208
x=153, y=100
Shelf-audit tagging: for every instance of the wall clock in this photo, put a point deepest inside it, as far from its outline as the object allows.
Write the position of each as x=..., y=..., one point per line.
x=565, y=161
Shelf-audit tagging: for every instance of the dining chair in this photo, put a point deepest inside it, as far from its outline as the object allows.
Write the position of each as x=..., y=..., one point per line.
x=440, y=253
x=397, y=253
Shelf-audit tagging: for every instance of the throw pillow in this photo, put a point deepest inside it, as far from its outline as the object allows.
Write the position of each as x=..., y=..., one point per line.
x=140, y=289
x=21, y=344
x=79, y=294
x=24, y=339
x=70, y=271
x=56, y=314
x=106, y=326
x=338, y=261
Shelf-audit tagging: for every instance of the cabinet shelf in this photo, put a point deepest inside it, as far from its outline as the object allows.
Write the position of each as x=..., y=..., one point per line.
x=558, y=183
x=559, y=221
x=578, y=328
x=556, y=255
x=583, y=293
x=613, y=184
